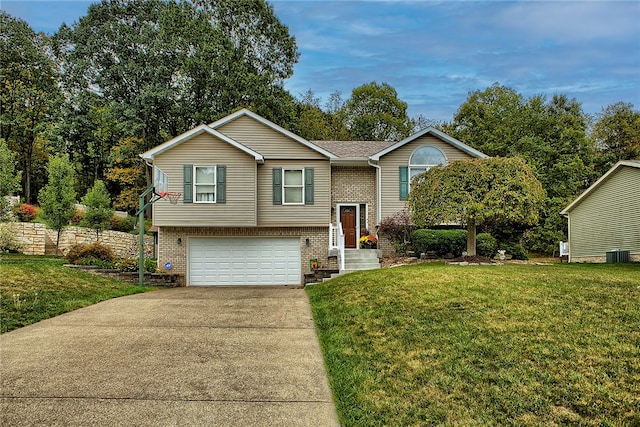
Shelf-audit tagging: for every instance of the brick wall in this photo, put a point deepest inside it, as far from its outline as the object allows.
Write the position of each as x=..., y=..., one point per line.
x=36, y=239
x=170, y=250
x=355, y=185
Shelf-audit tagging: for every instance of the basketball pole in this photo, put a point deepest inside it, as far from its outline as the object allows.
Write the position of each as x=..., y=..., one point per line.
x=140, y=214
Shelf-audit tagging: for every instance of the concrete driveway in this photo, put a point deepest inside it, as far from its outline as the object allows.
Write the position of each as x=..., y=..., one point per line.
x=241, y=356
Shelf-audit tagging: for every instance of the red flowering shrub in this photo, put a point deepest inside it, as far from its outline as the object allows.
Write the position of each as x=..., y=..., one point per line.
x=25, y=212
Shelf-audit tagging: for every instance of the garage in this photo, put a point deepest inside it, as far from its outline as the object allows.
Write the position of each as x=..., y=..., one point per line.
x=244, y=261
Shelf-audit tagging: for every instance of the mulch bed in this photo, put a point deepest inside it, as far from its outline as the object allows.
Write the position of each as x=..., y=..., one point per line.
x=473, y=259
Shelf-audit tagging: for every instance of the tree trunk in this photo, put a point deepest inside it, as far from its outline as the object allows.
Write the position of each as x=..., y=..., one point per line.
x=471, y=237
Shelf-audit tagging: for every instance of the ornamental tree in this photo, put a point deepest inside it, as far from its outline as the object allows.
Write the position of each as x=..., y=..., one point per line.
x=58, y=198
x=99, y=210
x=474, y=192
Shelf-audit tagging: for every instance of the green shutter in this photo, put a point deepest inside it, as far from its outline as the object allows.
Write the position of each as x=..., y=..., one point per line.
x=404, y=182
x=308, y=186
x=221, y=184
x=277, y=186
x=187, y=178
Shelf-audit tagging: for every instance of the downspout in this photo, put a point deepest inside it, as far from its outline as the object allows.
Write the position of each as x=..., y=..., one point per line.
x=378, y=193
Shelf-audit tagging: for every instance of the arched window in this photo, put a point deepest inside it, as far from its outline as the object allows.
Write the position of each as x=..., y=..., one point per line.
x=424, y=158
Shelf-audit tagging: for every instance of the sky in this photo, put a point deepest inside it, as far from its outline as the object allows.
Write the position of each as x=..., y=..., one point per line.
x=435, y=52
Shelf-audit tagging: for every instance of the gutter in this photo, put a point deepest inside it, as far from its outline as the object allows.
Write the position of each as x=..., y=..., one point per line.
x=378, y=192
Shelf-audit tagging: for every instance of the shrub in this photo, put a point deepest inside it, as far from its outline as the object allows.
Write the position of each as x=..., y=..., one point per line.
x=77, y=218
x=25, y=212
x=95, y=261
x=514, y=249
x=117, y=223
x=93, y=250
x=442, y=242
x=125, y=264
x=397, y=227
x=8, y=238
x=486, y=245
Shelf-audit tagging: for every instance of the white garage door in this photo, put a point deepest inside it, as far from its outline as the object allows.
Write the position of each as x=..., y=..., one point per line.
x=244, y=261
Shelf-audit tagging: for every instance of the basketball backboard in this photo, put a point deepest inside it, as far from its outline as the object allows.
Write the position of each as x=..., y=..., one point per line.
x=160, y=181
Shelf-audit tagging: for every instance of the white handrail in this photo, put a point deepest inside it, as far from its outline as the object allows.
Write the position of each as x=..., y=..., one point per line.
x=341, y=245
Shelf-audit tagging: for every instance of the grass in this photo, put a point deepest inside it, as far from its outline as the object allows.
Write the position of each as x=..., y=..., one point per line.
x=33, y=288
x=483, y=345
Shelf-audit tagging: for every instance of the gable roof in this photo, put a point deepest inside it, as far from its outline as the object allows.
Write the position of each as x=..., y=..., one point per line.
x=354, y=149
x=599, y=182
x=438, y=134
x=150, y=155
x=270, y=124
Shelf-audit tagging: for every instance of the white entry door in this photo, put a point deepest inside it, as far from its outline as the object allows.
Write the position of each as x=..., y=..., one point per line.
x=244, y=261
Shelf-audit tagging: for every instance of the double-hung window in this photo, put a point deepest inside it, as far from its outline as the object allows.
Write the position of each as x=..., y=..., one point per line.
x=293, y=186
x=204, y=184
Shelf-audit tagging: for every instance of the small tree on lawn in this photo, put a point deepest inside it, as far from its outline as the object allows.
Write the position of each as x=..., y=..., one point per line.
x=9, y=179
x=57, y=198
x=474, y=192
x=99, y=211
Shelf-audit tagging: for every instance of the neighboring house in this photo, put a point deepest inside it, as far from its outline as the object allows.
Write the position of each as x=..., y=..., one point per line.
x=606, y=216
x=259, y=202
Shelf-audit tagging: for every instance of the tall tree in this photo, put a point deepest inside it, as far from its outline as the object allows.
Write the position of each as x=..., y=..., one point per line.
x=28, y=91
x=127, y=174
x=163, y=66
x=9, y=178
x=98, y=208
x=57, y=198
x=617, y=132
x=550, y=135
x=474, y=192
x=374, y=113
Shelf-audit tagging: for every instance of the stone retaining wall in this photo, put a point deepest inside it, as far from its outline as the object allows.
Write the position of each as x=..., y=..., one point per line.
x=36, y=239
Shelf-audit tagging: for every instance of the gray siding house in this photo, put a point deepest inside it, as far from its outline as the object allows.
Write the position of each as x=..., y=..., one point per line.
x=606, y=216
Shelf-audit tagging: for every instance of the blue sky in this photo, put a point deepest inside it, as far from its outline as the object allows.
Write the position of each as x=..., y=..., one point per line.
x=434, y=52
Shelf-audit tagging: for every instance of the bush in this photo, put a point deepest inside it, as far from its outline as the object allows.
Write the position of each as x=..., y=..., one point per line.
x=397, y=227
x=95, y=261
x=486, y=245
x=25, y=212
x=125, y=225
x=77, y=218
x=8, y=238
x=124, y=264
x=515, y=250
x=442, y=242
x=93, y=250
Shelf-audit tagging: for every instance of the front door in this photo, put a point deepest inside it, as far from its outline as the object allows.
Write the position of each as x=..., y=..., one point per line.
x=348, y=220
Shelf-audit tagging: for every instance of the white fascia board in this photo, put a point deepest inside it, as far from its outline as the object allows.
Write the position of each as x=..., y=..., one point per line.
x=270, y=124
x=435, y=132
x=603, y=178
x=150, y=155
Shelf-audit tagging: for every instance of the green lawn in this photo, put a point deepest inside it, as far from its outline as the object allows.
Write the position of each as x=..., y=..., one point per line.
x=483, y=345
x=33, y=288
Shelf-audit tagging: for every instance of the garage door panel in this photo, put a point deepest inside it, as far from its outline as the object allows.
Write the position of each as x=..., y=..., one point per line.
x=244, y=261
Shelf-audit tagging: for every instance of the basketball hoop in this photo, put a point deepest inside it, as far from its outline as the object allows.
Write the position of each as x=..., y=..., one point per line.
x=172, y=196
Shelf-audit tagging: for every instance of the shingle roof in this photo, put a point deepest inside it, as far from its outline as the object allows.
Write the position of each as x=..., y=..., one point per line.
x=354, y=149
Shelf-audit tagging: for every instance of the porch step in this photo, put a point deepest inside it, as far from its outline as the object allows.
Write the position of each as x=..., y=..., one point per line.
x=356, y=260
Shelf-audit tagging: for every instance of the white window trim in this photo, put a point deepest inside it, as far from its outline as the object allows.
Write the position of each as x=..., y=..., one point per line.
x=284, y=186
x=425, y=166
x=215, y=184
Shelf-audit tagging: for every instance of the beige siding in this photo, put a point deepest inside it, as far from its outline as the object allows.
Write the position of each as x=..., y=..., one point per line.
x=390, y=163
x=608, y=218
x=206, y=150
x=318, y=214
x=266, y=141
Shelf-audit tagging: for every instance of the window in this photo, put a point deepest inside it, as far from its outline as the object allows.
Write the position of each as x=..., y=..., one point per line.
x=423, y=159
x=204, y=184
x=293, y=187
